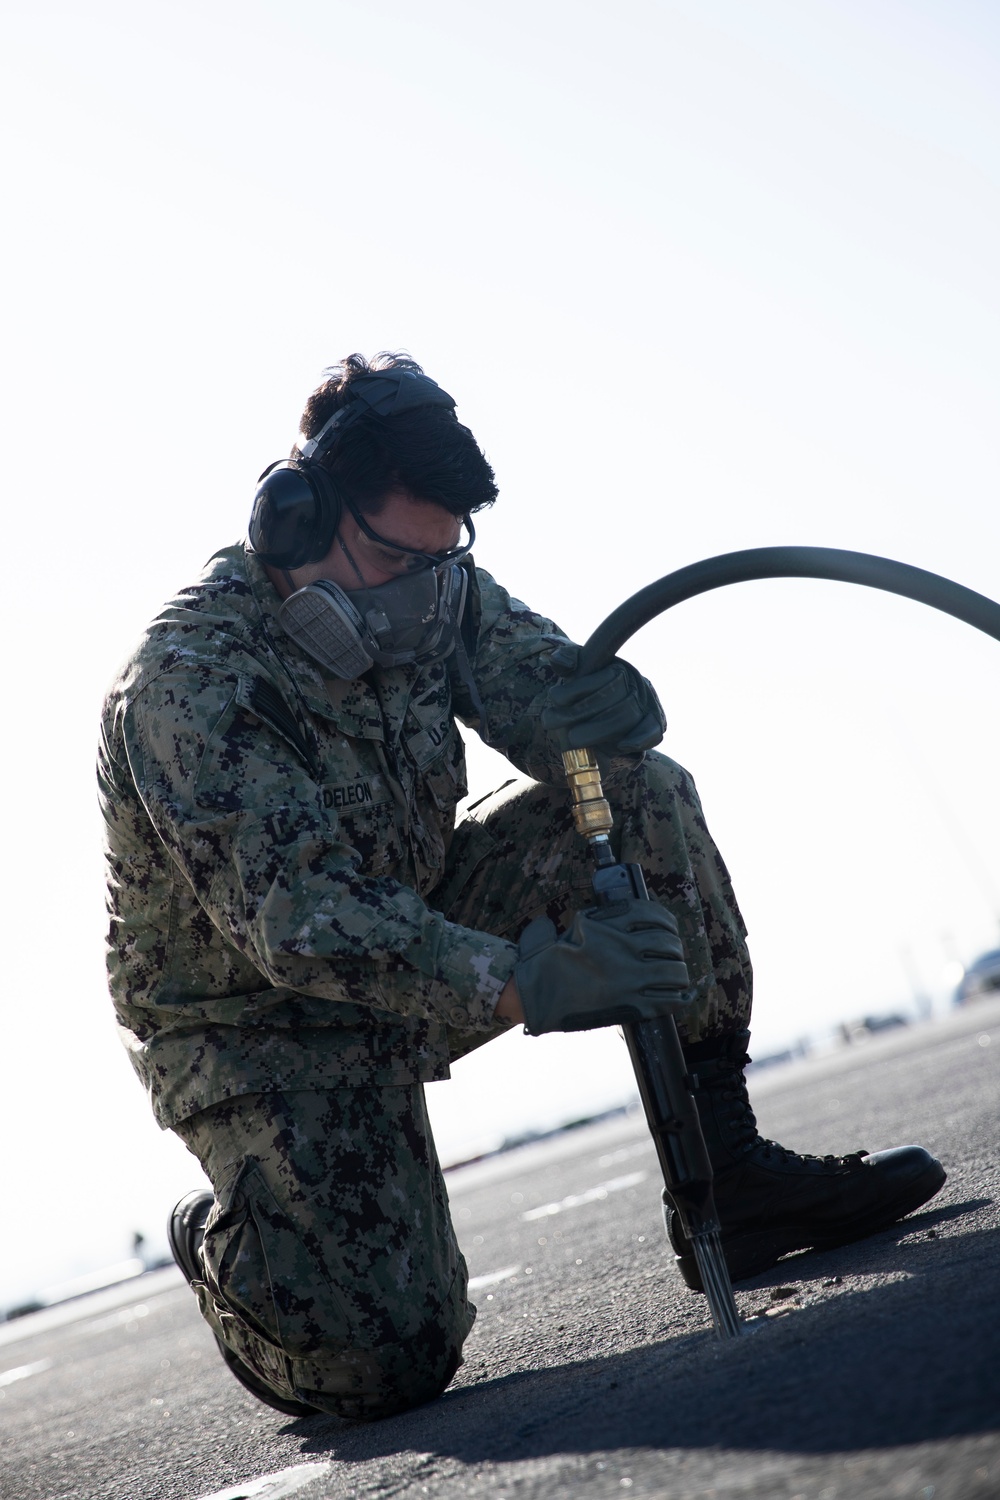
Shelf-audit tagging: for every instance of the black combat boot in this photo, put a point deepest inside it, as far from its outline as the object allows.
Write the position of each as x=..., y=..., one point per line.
x=185, y=1232
x=772, y=1201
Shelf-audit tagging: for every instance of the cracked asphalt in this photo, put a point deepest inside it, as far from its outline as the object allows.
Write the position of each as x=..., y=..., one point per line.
x=870, y=1371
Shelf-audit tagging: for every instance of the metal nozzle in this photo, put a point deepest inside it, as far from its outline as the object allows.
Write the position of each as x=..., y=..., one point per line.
x=718, y=1288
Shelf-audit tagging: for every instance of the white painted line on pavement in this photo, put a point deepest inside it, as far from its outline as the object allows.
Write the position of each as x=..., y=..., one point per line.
x=153, y=1283
x=21, y=1372
x=492, y=1277
x=592, y=1195
x=96, y=1281
x=273, y=1486
x=123, y=1316
x=626, y=1151
x=600, y=1136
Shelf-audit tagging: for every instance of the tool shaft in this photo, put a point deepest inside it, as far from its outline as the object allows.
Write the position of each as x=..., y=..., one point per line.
x=658, y=1060
x=672, y=1117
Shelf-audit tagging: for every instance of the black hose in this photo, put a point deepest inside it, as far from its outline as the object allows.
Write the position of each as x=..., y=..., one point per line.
x=786, y=562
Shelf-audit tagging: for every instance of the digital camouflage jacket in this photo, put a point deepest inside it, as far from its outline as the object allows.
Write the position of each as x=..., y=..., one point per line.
x=272, y=835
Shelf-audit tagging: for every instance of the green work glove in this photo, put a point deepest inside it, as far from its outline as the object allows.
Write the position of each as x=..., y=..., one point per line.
x=614, y=710
x=617, y=963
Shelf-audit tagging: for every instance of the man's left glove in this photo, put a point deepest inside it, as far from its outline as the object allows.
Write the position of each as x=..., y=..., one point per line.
x=616, y=964
x=614, y=711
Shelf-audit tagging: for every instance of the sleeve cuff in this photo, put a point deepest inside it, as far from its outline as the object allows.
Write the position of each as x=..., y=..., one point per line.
x=464, y=991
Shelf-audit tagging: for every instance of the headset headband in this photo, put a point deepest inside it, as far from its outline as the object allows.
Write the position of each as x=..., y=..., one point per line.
x=297, y=507
x=384, y=393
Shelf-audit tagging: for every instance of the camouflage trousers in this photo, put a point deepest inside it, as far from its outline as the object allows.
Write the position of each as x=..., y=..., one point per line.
x=517, y=856
x=331, y=1264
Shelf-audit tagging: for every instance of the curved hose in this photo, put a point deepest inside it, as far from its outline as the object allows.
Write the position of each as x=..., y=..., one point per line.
x=786, y=562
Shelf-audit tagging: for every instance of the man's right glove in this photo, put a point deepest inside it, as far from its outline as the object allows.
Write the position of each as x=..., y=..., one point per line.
x=614, y=710
x=616, y=964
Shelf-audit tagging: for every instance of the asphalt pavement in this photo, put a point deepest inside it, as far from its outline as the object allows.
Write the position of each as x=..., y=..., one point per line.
x=870, y=1371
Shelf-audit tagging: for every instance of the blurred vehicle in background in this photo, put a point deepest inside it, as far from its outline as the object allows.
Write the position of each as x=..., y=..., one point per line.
x=981, y=978
x=867, y=1026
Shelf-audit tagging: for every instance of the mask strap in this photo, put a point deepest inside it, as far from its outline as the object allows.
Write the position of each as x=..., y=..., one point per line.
x=350, y=559
x=463, y=670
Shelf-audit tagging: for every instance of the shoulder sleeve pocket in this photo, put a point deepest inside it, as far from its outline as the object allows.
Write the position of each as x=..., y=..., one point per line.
x=257, y=754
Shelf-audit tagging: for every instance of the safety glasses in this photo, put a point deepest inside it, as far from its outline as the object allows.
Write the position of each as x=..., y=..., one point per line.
x=408, y=559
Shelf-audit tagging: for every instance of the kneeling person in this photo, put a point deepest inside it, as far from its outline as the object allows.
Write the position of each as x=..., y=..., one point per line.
x=301, y=936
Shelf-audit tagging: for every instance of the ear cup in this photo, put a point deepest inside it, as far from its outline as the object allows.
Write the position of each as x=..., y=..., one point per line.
x=295, y=515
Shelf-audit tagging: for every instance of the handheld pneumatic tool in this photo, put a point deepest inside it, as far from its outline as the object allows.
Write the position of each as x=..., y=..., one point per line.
x=654, y=1045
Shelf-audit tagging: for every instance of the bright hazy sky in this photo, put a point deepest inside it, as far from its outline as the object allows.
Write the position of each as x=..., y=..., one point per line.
x=702, y=275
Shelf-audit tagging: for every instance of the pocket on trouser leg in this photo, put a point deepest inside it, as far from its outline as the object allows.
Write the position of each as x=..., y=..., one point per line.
x=263, y=1357
x=266, y=1294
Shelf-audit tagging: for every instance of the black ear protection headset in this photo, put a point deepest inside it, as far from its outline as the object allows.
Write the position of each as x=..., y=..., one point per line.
x=297, y=506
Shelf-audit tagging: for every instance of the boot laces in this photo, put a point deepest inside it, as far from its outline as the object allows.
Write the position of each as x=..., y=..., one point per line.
x=731, y=1086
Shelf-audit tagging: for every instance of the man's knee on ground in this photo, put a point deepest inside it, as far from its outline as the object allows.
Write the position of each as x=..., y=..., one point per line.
x=367, y=1386
x=360, y=1385
x=364, y=1386
x=305, y=1358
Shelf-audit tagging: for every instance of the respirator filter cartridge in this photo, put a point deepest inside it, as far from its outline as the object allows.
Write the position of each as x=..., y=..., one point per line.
x=321, y=619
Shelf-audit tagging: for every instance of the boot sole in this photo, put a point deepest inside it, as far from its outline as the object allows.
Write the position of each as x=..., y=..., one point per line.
x=748, y=1255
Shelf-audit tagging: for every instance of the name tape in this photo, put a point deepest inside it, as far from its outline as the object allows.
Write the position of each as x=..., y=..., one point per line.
x=365, y=792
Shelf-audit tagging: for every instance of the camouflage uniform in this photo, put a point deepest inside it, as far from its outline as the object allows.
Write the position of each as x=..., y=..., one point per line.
x=300, y=937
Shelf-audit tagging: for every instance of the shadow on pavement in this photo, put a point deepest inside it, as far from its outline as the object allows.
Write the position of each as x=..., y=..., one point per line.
x=911, y=1361
x=889, y=1244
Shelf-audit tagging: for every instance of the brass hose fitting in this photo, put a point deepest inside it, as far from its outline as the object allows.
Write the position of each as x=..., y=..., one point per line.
x=591, y=812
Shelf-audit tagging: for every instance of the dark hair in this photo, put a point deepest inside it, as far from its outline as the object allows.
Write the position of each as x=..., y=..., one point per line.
x=426, y=450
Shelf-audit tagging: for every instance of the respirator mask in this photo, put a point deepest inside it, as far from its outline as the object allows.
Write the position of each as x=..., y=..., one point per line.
x=412, y=619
